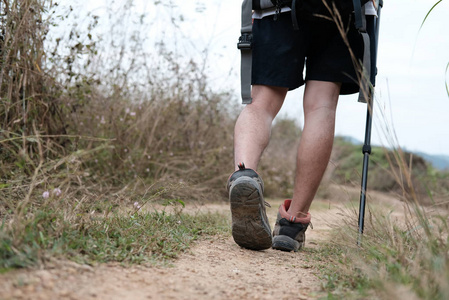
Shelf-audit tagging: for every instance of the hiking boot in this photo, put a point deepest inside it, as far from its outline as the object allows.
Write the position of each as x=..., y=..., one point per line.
x=289, y=231
x=250, y=227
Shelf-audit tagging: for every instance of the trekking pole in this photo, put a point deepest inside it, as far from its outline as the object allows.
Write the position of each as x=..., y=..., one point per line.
x=372, y=27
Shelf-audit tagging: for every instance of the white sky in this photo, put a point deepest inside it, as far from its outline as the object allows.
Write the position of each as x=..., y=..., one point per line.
x=411, y=93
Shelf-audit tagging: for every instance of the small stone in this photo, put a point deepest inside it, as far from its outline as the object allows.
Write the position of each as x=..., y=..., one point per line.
x=17, y=294
x=30, y=288
x=49, y=284
x=64, y=293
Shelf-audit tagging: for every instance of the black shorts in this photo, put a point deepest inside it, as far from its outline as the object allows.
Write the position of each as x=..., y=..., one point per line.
x=280, y=52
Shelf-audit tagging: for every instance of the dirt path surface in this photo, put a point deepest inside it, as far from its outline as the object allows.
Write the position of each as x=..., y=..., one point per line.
x=213, y=269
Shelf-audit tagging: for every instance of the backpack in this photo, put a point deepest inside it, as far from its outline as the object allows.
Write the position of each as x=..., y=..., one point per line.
x=312, y=10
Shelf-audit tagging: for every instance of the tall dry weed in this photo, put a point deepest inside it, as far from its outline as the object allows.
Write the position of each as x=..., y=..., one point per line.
x=27, y=92
x=147, y=107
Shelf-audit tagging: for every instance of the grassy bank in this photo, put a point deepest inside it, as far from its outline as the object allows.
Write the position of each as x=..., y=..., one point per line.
x=92, y=125
x=403, y=252
x=395, y=261
x=91, y=237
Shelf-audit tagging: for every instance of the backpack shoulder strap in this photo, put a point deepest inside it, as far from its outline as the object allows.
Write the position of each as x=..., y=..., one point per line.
x=360, y=24
x=369, y=29
x=244, y=45
x=359, y=15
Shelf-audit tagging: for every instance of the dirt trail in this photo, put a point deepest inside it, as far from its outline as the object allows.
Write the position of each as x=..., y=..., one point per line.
x=214, y=269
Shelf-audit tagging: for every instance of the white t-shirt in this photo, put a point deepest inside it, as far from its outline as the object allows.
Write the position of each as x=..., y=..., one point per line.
x=370, y=10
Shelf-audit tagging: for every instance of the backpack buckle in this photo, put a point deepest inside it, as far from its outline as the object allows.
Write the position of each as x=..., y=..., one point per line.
x=245, y=41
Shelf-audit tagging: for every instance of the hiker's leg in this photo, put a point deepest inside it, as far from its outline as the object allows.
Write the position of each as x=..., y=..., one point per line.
x=253, y=127
x=320, y=104
x=250, y=226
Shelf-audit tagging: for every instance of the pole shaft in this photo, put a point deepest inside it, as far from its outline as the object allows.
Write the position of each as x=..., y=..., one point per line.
x=373, y=31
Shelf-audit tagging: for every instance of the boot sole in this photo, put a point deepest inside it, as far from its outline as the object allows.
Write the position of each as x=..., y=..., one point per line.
x=286, y=243
x=250, y=227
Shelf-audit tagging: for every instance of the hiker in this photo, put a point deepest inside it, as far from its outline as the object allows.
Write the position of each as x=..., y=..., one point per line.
x=279, y=54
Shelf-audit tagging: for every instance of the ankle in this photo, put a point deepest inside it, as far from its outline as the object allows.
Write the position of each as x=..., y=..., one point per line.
x=294, y=217
x=299, y=215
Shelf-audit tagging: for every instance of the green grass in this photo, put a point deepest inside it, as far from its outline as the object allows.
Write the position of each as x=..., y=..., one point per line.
x=340, y=278
x=142, y=237
x=409, y=257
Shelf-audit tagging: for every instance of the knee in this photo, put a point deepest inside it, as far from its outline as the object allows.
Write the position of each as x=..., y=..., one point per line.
x=267, y=99
x=320, y=105
x=321, y=96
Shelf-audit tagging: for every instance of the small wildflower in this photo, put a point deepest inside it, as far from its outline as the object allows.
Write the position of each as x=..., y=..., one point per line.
x=46, y=194
x=132, y=114
x=139, y=207
x=102, y=121
x=179, y=222
x=126, y=150
x=148, y=170
x=127, y=110
x=57, y=192
x=149, y=156
x=136, y=204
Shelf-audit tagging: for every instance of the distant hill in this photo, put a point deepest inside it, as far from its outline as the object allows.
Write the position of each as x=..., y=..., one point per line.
x=352, y=140
x=439, y=162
